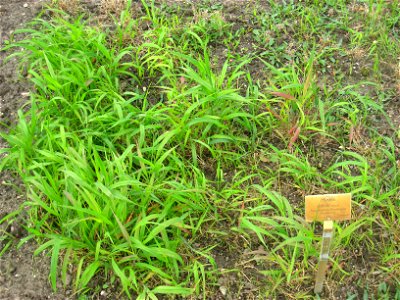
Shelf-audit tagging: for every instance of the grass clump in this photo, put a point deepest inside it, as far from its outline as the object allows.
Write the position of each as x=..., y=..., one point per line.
x=100, y=174
x=144, y=155
x=109, y=185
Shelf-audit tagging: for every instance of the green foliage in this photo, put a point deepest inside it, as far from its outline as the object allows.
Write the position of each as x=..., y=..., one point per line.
x=141, y=151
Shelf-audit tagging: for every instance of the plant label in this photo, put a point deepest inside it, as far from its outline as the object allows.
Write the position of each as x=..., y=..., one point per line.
x=329, y=207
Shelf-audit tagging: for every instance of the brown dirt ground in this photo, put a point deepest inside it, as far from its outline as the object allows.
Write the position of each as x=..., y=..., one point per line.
x=23, y=276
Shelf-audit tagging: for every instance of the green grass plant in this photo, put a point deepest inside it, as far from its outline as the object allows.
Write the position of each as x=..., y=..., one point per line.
x=143, y=153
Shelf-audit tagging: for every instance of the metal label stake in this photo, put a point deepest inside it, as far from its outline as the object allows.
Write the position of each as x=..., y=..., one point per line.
x=327, y=237
x=326, y=208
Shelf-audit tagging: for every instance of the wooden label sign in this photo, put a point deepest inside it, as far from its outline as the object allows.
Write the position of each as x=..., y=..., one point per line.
x=333, y=207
